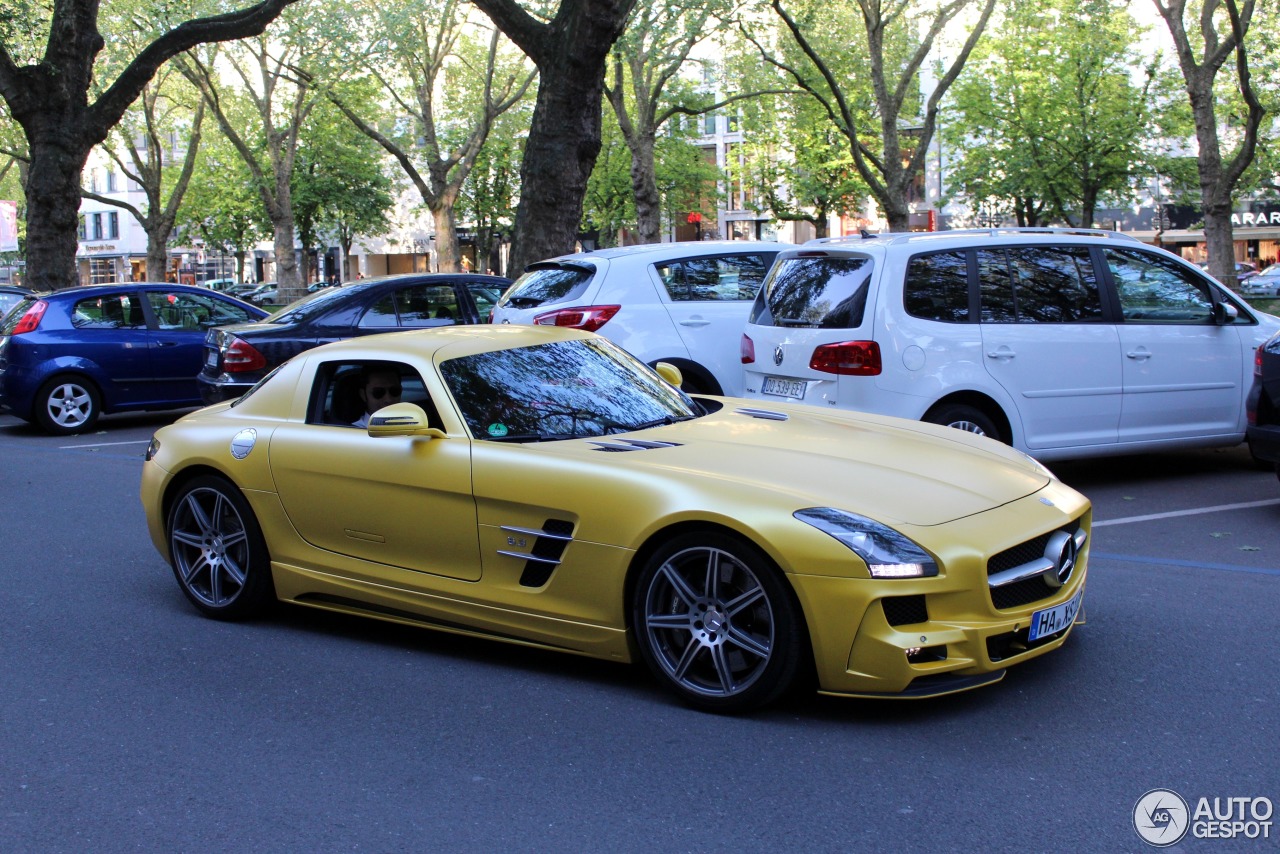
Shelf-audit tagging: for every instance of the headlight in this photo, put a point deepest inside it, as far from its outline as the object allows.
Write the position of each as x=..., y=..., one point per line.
x=152, y=449
x=887, y=553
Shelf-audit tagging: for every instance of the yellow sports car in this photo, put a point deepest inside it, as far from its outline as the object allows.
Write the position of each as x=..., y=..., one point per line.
x=541, y=486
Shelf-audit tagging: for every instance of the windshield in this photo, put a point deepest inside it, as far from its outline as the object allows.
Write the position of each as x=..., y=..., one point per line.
x=818, y=292
x=548, y=283
x=561, y=390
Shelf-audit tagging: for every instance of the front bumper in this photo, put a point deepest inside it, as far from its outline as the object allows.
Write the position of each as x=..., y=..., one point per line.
x=932, y=636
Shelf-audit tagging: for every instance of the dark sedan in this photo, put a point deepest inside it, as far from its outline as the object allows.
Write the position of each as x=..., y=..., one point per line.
x=11, y=295
x=67, y=357
x=236, y=357
x=1264, y=404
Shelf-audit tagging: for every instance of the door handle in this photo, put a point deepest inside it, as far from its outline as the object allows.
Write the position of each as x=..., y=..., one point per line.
x=695, y=322
x=1141, y=354
x=1002, y=353
x=166, y=343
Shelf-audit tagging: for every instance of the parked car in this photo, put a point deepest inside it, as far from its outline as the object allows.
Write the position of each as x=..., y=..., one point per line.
x=682, y=303
x=1244, y=271
x=541, y=486
x=1265, y=284
x=1264, y=404
x=224, y=285
x=69, y=356
x=11, y=295
x=1062, y=343
x=238, y=356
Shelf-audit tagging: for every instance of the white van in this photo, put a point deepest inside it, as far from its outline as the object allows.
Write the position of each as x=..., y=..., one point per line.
x=1063, y=343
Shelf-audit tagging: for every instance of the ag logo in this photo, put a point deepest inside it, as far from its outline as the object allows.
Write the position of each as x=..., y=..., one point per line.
x=1161, y=818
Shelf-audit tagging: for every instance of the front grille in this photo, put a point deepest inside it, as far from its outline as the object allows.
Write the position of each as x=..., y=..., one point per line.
x=904, y=610
x=1028, y=590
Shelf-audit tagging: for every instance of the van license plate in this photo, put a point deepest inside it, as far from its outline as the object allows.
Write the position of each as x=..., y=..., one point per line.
x=785, y=388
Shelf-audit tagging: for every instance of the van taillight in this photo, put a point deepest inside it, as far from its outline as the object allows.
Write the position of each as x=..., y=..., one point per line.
x=31, y=319
x=850, y=358
x=748, y=348
x=242, y=356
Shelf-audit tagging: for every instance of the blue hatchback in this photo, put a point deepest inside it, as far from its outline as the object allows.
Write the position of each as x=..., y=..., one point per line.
x=69, y=356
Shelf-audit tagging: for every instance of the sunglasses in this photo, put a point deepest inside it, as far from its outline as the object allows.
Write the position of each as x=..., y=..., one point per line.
x=378, y=392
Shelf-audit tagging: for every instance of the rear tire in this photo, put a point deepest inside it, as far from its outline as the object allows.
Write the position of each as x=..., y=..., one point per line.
x=68, y=405
x=966, y=418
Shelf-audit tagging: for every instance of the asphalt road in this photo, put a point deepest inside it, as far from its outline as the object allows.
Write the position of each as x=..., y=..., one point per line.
x=130, y=723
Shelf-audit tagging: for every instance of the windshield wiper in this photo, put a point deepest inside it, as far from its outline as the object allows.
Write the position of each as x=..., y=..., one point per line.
x=664, y=421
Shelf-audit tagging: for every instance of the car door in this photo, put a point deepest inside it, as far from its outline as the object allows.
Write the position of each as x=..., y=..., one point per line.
x=402, y=505
x=1046, y=341
x=708, y=300
x=414, y=306
x=180, y=321
x=111, y=333
x=1183, y=373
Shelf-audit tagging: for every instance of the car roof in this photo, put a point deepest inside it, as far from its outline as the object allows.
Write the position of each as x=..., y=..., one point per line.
x=674, y=250
x=969, y=235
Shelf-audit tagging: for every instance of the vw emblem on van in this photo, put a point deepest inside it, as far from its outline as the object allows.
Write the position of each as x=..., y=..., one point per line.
x=777, y=355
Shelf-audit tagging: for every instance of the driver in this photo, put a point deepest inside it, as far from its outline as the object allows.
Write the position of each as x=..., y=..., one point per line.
x=381, y=387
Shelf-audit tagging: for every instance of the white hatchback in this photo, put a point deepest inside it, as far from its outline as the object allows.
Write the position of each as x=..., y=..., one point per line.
x=1063, y=343
x=683, y=303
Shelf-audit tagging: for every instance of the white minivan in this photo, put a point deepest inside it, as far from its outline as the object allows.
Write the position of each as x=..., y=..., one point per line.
x=683, y=303
x=1063, y=343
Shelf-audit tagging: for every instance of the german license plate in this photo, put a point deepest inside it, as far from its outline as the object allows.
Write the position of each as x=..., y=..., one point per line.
x=1053, y=620
x=212, y=359
x=784, y=388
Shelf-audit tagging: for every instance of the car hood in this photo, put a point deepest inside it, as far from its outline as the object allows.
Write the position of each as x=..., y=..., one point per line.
x=889, y=469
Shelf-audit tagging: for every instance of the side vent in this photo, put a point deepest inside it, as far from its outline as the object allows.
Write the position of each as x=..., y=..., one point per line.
x=543, y=555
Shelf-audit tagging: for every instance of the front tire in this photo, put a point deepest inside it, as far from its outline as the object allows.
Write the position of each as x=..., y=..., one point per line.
x=68, y=405
x=217, y=551
x=716, y=623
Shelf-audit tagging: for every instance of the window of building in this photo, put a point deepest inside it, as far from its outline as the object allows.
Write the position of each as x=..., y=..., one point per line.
x=113, y=225
x=83, y=231
x=111, y=182
x=95, y=226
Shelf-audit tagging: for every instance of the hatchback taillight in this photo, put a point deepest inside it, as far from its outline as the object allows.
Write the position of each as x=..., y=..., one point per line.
x=1257, y=361
x=849, y=358
x=240, y=356
x=588, y=317
x=31, y=319
x=748, y=349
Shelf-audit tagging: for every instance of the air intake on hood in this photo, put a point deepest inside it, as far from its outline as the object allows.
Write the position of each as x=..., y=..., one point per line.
x=767, y=414
x=633, y=445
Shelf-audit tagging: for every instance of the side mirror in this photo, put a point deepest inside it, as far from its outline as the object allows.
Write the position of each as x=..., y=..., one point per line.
x=402, y=419
x=1224, y=313
x=670, y=373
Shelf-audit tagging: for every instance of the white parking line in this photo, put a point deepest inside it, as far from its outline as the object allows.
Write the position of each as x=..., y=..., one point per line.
x=104, y=444
x=1197, y=511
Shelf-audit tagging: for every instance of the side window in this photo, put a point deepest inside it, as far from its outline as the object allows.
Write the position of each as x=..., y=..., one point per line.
x=118, y=311
x=342, y=391
x=381, y=313
x=428, y=305
x=724, y=278
x=486, y=297
x=995, y=282
x=193, y=312
x=937, y=287
x=1055, y=285
x=1152, y=289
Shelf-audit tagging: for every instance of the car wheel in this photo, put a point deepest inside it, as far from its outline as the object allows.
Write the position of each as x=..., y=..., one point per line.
x=965, y=418
x=67, y=405
x=217, y=551
x=716, y=623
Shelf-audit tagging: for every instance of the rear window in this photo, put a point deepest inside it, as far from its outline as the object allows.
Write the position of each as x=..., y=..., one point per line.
x=822, y=293
x=553, y=283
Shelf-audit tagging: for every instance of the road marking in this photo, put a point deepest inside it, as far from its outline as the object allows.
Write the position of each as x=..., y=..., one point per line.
x=1162, y=561
x=1197, y=511
x=104, y=444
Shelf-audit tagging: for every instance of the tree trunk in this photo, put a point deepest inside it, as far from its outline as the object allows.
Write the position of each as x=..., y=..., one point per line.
x=53, y=208
x=644, y=186
x=448, y=254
